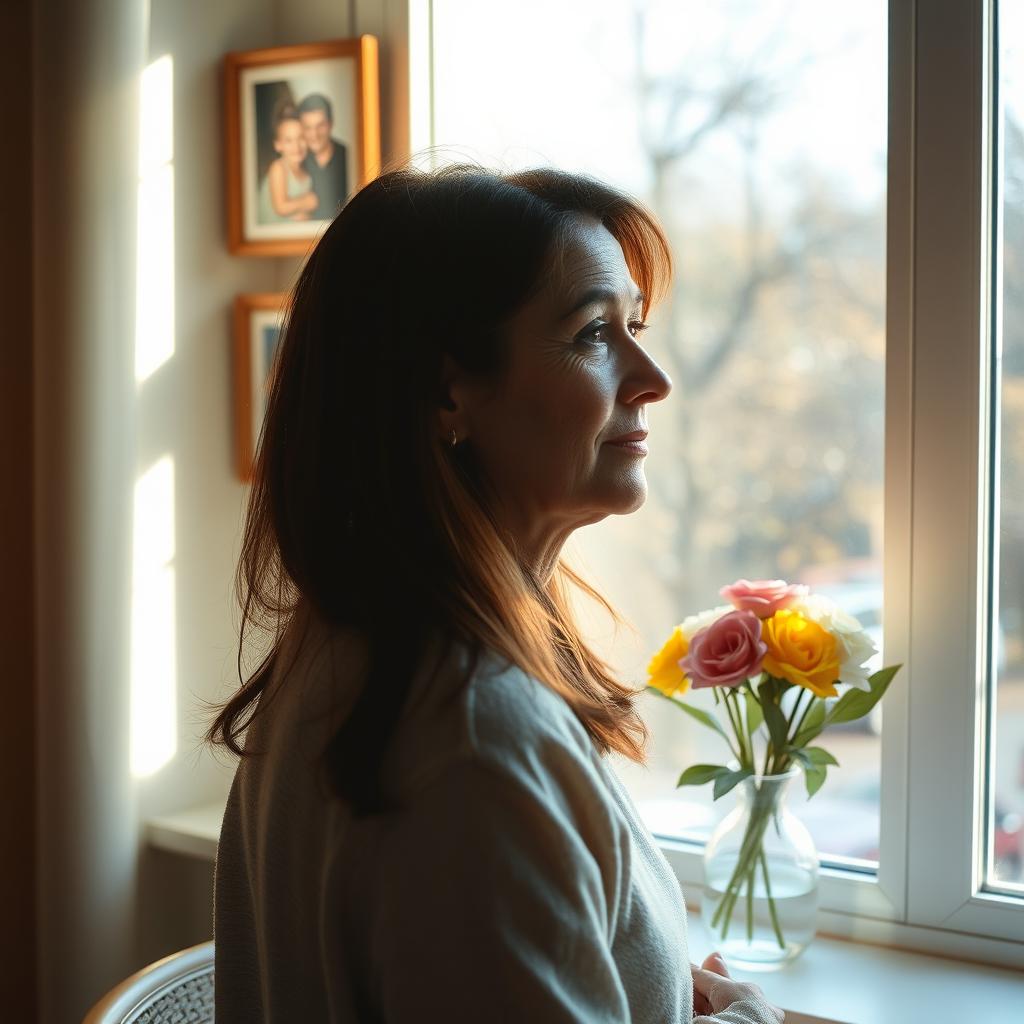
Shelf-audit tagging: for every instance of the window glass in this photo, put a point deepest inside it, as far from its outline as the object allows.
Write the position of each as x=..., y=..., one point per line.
x=1006, y=805
x=757, y=132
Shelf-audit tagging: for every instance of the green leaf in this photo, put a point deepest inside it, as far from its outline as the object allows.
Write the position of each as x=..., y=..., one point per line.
x=726, y=782
x=819, y=756
x=698, y=774
x=813, y=724
x=800, y=756
x=705, y=719
x=776, y=722
x=755, y=716
x=815, y=762
x=815, y=778
x=856, y=703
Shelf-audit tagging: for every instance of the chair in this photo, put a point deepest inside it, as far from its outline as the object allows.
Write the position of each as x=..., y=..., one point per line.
x=175, y=990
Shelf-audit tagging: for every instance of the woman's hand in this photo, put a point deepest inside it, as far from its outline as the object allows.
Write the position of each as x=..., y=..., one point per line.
x=714, y=990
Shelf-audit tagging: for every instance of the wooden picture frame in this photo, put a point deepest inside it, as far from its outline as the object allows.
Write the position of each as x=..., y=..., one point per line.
x=302, y=133
x=258, y=319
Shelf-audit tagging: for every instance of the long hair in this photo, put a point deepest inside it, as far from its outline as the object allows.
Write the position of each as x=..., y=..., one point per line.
x=359, y=511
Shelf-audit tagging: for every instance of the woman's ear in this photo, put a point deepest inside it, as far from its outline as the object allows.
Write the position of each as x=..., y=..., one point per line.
x=448, y=385
x=453, y=400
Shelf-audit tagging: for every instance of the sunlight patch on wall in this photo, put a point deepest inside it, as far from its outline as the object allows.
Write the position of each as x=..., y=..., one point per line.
x=154, y=732
x=154, y=283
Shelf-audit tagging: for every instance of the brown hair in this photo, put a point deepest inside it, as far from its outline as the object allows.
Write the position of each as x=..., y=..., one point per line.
x=358, y=510
x=284, y=110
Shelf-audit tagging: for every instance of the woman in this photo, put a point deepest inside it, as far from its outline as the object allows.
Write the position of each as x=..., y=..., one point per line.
x=287, y=190
x=423, y=826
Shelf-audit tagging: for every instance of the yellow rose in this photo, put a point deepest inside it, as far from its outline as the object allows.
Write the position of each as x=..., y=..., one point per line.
x=801, y=651
x=664, y=672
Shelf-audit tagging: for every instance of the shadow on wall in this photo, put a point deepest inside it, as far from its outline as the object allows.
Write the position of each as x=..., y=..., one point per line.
x=137, y=493
x=173, y=895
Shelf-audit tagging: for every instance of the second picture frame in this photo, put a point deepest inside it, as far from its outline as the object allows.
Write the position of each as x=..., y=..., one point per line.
x=258, y=320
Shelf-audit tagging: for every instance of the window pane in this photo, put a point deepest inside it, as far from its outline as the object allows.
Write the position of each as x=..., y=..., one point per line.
x=757, y=131
x=1006, y=834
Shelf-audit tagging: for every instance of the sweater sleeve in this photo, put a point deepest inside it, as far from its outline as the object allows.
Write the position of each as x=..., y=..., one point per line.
x=751, y=1009
x=497, y=911
x=744, y=1011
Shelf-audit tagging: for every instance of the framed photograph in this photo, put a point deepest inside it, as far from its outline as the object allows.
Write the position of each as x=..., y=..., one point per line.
x=302, y=130
x=258, y=321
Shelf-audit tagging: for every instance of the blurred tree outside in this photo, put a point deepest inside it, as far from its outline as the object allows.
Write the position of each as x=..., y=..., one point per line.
x=1011, y=591
x=773, y=334
x=770, y=463
x=756, y=130
x=1007, y=808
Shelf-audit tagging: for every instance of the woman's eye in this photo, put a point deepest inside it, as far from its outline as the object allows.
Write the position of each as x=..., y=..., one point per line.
x=592, y=334
x=595, y=333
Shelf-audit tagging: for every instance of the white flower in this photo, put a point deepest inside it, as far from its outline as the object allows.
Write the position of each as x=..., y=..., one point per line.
x=855, y=646
x=693, y=624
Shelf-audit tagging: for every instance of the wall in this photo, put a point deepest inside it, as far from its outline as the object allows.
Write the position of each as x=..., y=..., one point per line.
x=183, y=411
x=17, y=604
x=86, y=56
x=107, y=905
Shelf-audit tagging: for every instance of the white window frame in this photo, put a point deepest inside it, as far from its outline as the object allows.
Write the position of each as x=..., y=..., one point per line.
x=928, y=892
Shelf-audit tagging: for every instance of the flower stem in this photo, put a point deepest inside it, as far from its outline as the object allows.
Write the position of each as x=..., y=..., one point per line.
x=745, y=865
x=771, y=902
x=800, y=724
x=750, y=906
x=796, y=707
x=751, y=857
x=743, y=871
x=738, y=754
x=736, y=720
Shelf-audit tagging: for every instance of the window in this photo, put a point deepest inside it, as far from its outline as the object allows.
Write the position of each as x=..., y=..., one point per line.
x=1004, y=865
x=763, y=154
x=833, y=343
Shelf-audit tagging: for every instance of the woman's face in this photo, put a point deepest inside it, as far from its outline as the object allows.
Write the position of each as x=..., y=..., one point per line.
x=290, y=142
x=560, y=435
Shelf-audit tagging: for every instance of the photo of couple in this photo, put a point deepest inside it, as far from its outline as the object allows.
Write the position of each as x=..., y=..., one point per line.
x=302, y=133
x=302, y=168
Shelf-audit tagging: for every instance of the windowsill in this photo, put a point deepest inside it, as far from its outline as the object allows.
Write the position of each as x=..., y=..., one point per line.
x=193, y=832
x=834, y=980
x=865, y=984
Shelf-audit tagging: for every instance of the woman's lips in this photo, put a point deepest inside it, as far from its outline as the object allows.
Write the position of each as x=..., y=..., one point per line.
x=634, y=442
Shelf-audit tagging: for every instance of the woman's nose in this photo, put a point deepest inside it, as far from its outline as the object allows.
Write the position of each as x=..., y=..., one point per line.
x=645, y=381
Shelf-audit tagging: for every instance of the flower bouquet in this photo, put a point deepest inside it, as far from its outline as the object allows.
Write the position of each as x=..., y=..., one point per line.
x=773, y=658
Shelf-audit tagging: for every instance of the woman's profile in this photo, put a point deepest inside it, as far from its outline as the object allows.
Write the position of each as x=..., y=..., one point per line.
x=286, y=192
x=424, y=824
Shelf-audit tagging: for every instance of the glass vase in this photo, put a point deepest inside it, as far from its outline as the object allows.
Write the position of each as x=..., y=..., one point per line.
x=760, y=899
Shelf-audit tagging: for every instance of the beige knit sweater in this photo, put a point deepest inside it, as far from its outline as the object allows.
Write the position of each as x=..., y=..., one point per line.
x=517, y=884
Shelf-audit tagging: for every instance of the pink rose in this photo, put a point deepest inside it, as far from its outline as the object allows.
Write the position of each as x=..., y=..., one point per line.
x=763, y=597
x=726, y=652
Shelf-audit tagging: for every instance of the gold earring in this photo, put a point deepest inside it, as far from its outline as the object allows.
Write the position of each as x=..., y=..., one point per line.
x=455, y=438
